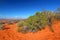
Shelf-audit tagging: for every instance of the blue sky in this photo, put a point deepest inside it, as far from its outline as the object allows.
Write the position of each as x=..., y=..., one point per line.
x=25, y=8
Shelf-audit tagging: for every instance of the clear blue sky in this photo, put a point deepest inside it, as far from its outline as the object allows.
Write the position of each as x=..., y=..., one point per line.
x=25, y=8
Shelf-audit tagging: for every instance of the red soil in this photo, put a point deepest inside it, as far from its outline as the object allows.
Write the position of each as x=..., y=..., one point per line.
x=45, y=34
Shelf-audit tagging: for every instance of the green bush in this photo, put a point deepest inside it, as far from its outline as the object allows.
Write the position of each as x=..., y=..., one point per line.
x=37, y=21
x=1, y=26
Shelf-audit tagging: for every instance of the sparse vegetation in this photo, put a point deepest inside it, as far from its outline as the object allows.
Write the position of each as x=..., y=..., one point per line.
x=39, y=21
x=1, y=25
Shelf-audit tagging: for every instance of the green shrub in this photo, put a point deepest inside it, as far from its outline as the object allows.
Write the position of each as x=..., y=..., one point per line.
x=1, y=26
x=36, y=22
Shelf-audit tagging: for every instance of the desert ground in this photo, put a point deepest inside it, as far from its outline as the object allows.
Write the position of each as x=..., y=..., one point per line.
x=10, y=33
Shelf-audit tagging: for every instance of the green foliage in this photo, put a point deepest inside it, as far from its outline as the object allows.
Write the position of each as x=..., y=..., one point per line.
x=1, y=26
x=37, y=21
x=20, y=24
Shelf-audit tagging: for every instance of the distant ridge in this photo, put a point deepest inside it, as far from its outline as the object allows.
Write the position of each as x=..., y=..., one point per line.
x=12, y=18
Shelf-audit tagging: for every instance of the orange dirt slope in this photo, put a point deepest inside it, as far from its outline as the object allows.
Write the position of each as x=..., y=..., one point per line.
x=45, y=34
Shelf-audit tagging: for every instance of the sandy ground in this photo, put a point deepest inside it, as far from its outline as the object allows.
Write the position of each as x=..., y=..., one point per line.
x=45, y=34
